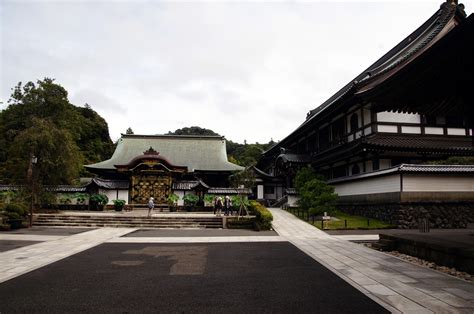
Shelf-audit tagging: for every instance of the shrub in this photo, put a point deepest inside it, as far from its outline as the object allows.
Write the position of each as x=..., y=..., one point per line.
x=12, y=215
x=263, y=216
x=100, y=199
x=190, y=199
x=173, y=199
x=316, y=196
x=118, y=204
x=16, y=208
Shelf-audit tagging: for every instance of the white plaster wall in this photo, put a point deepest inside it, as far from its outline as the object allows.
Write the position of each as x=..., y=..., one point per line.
x=456, y=131
x=411, y=129
x=437, y=183
x=390, y=183
x=293, y=200
x=123, y=195
x=368, y=131
x=387, y=128
x=259, y=192
x=368, y=166
x=386, y=116
x=367, y=116
x=180, y=195
x=434, y=130
x=111, y=194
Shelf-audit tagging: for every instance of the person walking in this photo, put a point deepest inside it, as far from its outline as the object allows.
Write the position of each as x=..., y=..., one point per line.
x=151, y=206
x=228, y=206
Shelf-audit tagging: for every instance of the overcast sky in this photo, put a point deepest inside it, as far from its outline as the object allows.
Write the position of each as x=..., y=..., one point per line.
x=245, y=69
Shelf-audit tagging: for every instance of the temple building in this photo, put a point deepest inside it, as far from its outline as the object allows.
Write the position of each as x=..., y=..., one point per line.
x=412, y=106
x=145, y=166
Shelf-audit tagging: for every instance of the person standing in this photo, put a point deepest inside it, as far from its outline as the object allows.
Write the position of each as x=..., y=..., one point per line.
x=228, y=206
x=151, y=206
x=218, y=206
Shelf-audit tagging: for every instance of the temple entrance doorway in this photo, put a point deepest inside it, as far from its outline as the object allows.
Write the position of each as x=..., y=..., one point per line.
x=145, y=186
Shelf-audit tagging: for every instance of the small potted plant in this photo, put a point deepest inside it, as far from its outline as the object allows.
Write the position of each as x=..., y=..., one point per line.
x=190, y=201
x=118, y=205
x=98, y=201
x=173, y=202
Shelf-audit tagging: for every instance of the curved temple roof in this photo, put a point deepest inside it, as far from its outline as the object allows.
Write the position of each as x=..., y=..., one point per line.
x=198, y=153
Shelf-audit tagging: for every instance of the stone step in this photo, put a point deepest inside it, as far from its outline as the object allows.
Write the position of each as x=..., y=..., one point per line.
x=163, y=226
x=144, y=220
x=384, y=244
x=126, y=221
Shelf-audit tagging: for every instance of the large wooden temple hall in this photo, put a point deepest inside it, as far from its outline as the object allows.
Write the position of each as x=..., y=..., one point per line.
x=411, y=107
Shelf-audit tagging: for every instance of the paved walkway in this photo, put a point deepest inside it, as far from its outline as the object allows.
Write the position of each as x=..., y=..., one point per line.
x=398, y=285
x=19, y=261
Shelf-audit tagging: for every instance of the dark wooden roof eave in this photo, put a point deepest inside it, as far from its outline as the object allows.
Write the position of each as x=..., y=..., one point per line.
x=437, y=83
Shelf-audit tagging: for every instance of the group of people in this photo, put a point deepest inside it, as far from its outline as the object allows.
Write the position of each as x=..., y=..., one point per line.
x=219, y=205
x=223, y=204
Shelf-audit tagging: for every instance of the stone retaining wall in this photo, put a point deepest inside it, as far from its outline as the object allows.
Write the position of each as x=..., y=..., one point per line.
x=408, y=215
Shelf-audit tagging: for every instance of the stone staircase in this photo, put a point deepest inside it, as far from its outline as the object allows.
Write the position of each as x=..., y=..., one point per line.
x=64, y=220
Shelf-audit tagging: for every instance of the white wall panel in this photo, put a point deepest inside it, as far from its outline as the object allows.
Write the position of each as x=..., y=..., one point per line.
x=371, y=185
x=386, y=116
x=434, y=130
x=456, y=131
x=387, y=128
x=411, y=129
x=437, y=183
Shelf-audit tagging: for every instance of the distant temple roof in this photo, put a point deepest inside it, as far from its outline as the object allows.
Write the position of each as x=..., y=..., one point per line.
x=197, y=153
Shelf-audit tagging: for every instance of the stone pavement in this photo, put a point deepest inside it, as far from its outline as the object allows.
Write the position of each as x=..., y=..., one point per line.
x=396, y=284
x=22, y=260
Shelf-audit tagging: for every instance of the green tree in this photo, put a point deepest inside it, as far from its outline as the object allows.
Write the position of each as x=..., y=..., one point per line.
x=129, y=131
x=193, y=130
x=59, y=159
x=455, y=160
x=246, y=179
x=315, y=195
x=47, y=103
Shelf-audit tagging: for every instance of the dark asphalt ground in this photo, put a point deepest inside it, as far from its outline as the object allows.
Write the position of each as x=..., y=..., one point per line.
x=185, y=278
x=48, y=231
x=7, y=245
x=199, y=233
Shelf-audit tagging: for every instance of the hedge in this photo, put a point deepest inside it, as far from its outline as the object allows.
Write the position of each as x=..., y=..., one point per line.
x=263, y=216
x=16, y=208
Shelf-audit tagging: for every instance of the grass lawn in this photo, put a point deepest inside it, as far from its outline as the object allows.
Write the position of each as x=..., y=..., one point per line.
x=345, y=221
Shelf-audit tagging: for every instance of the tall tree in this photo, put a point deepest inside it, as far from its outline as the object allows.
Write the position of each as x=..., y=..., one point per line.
x=58, y=157
x=46, y=103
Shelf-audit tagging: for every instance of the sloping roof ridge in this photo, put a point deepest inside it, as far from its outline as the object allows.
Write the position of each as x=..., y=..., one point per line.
x=423, y=35
x=168, y=136
x=446, y=12
x=425, y=167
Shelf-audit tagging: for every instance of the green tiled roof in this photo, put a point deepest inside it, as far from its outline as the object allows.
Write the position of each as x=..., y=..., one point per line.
x=202, y=153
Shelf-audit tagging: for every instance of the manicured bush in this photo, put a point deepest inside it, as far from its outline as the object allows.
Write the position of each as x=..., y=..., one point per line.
x=118, y=204
x=263, y=216
x=19, y=209
x=242, y=223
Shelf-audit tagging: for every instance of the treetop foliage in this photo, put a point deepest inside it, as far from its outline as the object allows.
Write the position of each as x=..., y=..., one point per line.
x=40, y=120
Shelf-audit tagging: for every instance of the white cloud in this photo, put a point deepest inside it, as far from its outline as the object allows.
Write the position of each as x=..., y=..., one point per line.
x=248, y=70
